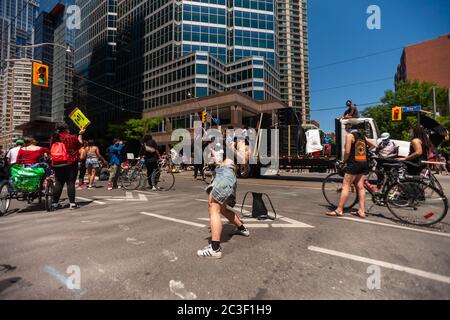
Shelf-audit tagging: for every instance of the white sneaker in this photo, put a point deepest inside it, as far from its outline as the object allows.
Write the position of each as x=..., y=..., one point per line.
x=73, y=206
x=208, y=252
x=154, y=189
x=244, y=232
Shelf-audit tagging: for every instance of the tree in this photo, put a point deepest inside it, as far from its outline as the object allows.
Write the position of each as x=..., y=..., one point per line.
x=133, y=129
x=408, y=93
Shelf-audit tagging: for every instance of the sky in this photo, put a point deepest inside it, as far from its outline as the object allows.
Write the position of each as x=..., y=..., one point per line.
x=338, y=31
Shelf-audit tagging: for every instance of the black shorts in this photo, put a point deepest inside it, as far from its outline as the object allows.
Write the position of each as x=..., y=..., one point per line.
x=356, y=168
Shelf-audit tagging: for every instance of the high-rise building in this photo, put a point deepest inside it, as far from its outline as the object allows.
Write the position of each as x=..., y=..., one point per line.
x=94, y=62
x=48, y=104
x=16, y=30
x=16, y=99
x=41, y=97
x=293, y=51
x=63, y=66
x=166, y=51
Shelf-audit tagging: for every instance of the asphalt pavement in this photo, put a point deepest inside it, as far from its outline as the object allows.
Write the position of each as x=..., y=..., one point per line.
x=143, y=244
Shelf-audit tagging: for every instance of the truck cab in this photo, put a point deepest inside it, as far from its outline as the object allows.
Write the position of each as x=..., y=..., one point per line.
x=371, y=131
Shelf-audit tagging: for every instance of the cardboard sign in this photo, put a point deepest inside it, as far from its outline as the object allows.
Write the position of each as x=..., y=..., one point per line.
x=79, y=118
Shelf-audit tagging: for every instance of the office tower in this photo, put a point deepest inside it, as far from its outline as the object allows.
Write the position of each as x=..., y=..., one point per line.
x=141, y=54
x=293, y=52
x=63, y=66
x=16, y=29
x=16, y=99
x=94, y=62
x=41, y=97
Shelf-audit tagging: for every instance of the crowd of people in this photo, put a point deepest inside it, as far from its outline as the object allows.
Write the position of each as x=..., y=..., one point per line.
x=70, y=157
x=356, y=160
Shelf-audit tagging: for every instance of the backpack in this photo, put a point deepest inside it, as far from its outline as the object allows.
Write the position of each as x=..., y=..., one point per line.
x=59, y=154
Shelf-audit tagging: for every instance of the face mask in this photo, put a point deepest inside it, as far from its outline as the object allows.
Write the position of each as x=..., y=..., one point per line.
x=411, y=136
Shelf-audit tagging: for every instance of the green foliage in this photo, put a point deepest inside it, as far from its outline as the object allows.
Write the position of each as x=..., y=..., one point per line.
x=444, y=148
x=133, y=129
x=407, y=94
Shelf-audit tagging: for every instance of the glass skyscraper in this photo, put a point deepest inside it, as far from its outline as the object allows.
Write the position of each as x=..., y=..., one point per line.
x=166, y=51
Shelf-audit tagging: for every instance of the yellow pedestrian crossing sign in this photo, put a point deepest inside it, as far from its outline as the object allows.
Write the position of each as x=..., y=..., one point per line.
x=79, y=119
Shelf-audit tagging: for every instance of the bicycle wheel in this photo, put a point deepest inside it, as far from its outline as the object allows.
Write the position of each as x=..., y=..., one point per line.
x=130, y=179
x=416, y=202
x=332, y=188
x=207, y=175
x=48, y=195
x=163, y=179
x=5, y=198
x=435, y=182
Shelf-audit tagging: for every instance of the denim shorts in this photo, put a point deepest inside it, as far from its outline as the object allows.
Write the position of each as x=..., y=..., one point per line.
x=223, y=187
x=92, y=163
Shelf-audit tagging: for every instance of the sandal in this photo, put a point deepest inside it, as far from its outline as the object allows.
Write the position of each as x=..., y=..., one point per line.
x=356, y=214
x=334, y=214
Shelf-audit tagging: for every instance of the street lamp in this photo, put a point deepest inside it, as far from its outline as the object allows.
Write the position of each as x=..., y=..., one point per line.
x=47, y=43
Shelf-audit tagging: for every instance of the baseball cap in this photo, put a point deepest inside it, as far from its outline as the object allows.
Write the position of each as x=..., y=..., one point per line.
x=20, y=142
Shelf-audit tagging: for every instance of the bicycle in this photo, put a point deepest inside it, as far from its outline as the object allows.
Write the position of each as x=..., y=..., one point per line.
x=132, y=175
x=162, y=178
x=208, y=173
x=45, y=190
x=411, y=199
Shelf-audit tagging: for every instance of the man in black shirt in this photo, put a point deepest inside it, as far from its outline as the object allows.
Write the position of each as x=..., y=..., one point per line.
x=150, y=152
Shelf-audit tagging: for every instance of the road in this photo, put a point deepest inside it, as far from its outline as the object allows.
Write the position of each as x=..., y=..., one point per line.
x=142, y=245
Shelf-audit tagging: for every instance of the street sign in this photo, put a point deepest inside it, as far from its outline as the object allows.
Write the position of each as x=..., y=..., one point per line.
x=412, y=109
x=79, y=119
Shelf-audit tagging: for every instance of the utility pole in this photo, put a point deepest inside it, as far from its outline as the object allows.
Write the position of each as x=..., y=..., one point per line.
x=434, y=102
x=448, y=102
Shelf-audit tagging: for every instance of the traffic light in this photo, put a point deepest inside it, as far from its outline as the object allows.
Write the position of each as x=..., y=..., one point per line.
x=40, y=74
x=397, y=114
x=204, y=116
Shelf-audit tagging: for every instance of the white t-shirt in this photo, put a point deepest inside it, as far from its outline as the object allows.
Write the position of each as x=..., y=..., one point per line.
x=12, y=155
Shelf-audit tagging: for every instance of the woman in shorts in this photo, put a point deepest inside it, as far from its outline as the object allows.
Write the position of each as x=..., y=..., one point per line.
x=222, y=193
x=357, y=166
x=93, y=158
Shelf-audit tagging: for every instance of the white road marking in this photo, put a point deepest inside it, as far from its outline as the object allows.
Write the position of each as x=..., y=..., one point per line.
x=253, y=223
x=238, y=205
x=442, y=234
x=128, y=197
x=90, y=200
x=174, y=220
x=171, y=255
x=388, y=265
x=134, y=241
x=177, y=288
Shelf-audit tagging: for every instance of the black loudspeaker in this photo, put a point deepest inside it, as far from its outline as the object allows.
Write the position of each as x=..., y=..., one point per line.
x=259, y=209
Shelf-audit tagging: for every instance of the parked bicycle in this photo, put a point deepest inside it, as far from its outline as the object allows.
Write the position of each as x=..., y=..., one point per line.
x=414, y=200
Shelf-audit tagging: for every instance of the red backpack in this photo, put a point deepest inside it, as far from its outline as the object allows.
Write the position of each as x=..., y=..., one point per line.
x=59, y=154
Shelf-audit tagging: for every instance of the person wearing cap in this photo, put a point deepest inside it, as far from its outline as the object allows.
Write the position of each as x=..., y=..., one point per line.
x=352, y=111
x=386, y=149
x=12, y=154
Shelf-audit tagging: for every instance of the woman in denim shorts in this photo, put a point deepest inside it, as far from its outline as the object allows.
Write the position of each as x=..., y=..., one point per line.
x=222, y=193
x=93, y=158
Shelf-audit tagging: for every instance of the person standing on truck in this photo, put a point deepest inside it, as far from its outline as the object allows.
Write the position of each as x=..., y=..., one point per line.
x=352, y=111
x=356, y=166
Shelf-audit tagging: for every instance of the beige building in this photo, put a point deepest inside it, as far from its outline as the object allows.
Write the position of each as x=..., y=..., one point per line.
x=233, y=108
x=15, y=99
